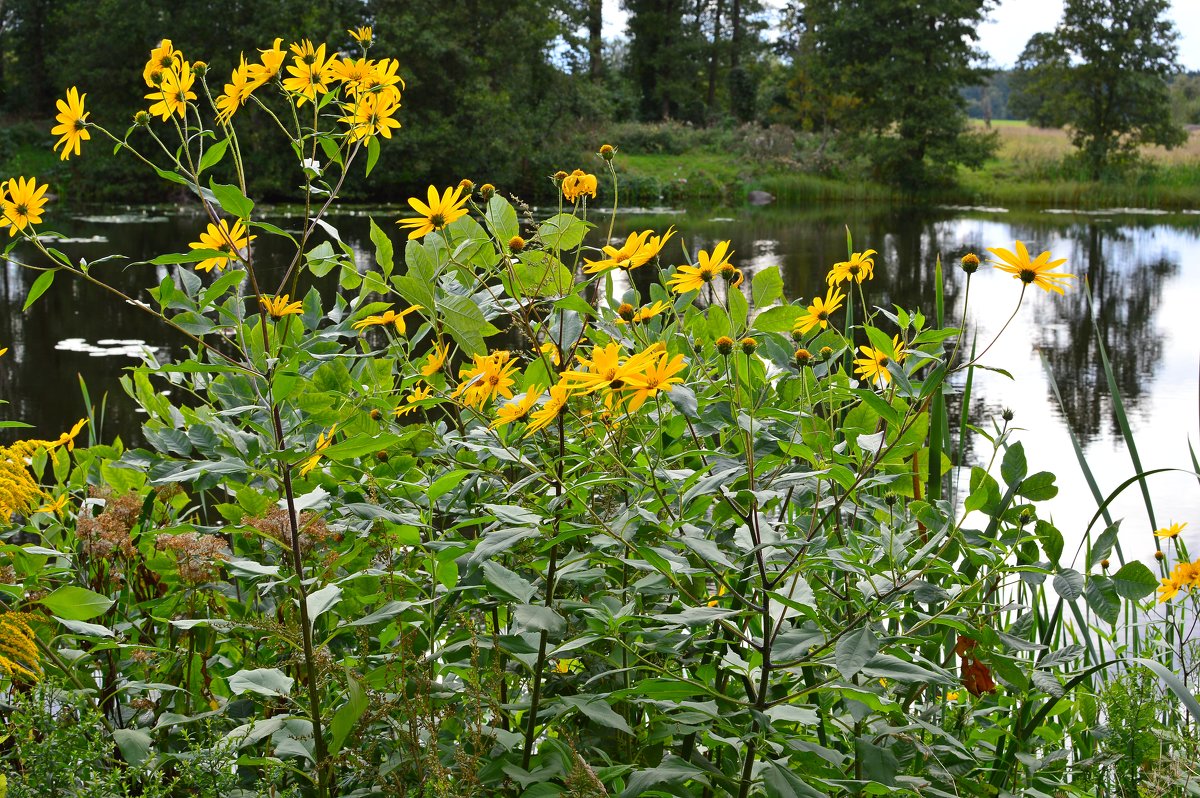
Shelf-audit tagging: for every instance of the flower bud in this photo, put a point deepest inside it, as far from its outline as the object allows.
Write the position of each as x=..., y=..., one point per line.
x=724, y=344
x=381, y=456
x=559, y=176
x=466, y=184
x=970, y=263
x=607, y=151
x=376, y=415
x=1158, y=555
x=749, y=345
x=625, y=311
x=141, y=119
x=487, y=191
x=826, y=352
x=516, y=244
x=803, y=357
x=1007, y=414
x=1104, y=564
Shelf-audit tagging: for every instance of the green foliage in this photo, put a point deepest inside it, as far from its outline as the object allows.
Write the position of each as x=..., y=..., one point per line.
x=1103, y=73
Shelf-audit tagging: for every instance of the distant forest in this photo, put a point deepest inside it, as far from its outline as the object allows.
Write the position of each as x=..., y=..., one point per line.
x=991, y=99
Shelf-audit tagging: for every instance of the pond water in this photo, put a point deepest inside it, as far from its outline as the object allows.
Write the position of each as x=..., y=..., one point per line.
x=1146, y=288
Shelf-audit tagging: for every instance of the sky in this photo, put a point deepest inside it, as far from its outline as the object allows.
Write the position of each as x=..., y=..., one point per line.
x=1012, y=23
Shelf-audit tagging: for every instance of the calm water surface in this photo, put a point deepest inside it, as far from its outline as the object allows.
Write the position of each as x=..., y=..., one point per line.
x=1146, y=286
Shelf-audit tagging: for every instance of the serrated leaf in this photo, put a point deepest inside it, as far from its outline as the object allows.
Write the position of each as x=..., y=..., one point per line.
x=1134, y=581
x=1102, y=598
x=563, y=231
x=465, y=323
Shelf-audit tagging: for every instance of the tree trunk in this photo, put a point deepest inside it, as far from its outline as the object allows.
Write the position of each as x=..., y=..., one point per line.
x=595, y=25
x=713, y=55
x=735, y=40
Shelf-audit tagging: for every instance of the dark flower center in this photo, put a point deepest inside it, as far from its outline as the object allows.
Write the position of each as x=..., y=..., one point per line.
x=823, y=316
x=1028, y=275
x=883, y=361
x=437, y=220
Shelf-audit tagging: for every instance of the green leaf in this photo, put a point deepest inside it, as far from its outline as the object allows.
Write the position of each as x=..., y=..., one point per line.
x=563, y=231
x=213, y=155
x=502, y=217
x=85, y=628
x=854, y=650
x=39, y=287
x=465, y=323
x=1038, y=487
x=780, y=319
x=231, y=199
x=510, y=584
x=781, y=782
x=347, y=715
x=1103, y=545
x=1068, y=583
x=539, y=273
x=1102, y=597
x=1175, y=683
x=1013, y=468
x=76, y=603
x=384, y=252
x=321, y=259
x=193, y=256
x=270, y=682
x=359, y=445
x=320, y=601
x=134, y=745
x=597, y=710
x=739, y=309
x=768, y=286
x=1134, y=581
x=373, y=150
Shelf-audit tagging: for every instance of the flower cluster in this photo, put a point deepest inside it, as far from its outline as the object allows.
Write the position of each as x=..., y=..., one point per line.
x=19, y=493
x=19, y=656
x=1184, y=576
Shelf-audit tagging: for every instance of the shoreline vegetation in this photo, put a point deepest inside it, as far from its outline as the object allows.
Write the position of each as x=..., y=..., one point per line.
x=671, y=164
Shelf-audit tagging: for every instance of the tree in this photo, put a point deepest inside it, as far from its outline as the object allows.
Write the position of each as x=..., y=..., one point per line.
x=900, y=66
x=1103, y=74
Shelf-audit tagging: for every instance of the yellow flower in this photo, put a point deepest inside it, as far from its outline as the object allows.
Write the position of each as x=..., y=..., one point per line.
x=279, y=306
x=171, y=96
x=1170, y=531
x=72, y=124
x=272, y=62
x=819, y=311
x=436, y=358
x=68, y=438
x=647, y=312
x=576, y=184
x=659, y=375
x=323, y=442
x=362, y=35
x=19, y=656
x=721, y=591
x=518, y=409
x=439, y=212
x=373, y=114
x=162, y=59
x=637, y=250
x=861, y=266
x=55, y=506
x=551, y=351
x=390, y=317
x=550, y=410
x=351, y=72
x=691, y=278
x=609, y=368
x=419, y=393
x=953, y=695
x=1169, y=588
x=22, y=200
x=873, y=367
x=237, y=91
x=383, y=75
x=490, y=376
x=233, y=241
x=310, y=72
x=1031, y=270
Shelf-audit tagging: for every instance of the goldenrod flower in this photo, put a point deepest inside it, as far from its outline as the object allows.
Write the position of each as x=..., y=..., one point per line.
x=19, y=656
x=659, y=375
x=323, y=442
x=576, y=184
x=280, y=306
x=172, y=94
x=373, y=115
x=1031, y=270
x=437, y=214
x=19, y=493
x=72, y=124
x=873, y=367
x=162, y=59
x=517, y=409
x=363, y=35
x=22, y=201
x=489, y=377
x=550, y=410
x=819, y=311
x=390, y=317
x=436, y=358
x=237, y=91
x=233, y=241
x=1170, y=531
x=419, y=393
x=638, y=249
x=861, y=266
x=272, y=62
x=310, y=72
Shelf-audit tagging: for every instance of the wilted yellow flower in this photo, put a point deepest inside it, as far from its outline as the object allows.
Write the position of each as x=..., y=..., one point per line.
x=390, y=317
x=72, y=124
x=436, y=358
x=237, y=91
x=323, y=442
x=576, y=184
